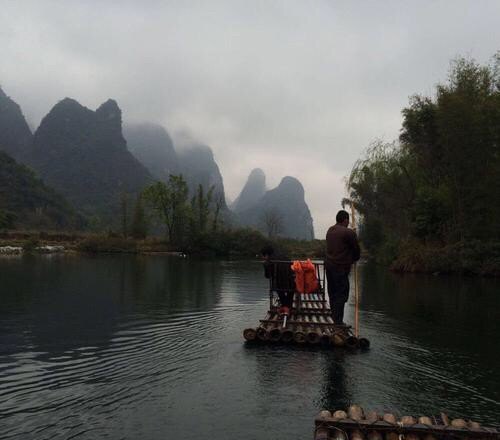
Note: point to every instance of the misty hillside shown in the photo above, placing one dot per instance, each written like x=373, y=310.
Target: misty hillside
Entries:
x=15, y=135
x=83, y=155
x=281, y=211
x=26, y=202
x=198, y=166
x=153, y=147
x=252, y=192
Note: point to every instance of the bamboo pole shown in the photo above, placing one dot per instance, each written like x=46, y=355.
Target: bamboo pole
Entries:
x=356, y=285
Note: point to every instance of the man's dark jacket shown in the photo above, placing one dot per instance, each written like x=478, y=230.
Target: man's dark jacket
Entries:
x=342, y=248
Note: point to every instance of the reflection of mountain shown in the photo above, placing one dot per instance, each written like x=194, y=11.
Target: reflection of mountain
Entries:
x=283, y=206
x=77, y=309
x=174, y=283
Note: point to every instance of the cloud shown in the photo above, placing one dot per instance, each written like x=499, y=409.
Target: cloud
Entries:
x=296, y=88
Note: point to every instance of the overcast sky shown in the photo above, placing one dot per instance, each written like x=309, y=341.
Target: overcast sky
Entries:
x=296, y=88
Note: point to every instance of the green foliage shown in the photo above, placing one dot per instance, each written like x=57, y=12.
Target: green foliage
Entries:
x=106, y=244
x=30, y=245
x=439, y=185
x=473, y=257
x=7, y=220
x=169, y=204
x=26, y=202
x=124, y=215
x=139, y=226
x=201, y=209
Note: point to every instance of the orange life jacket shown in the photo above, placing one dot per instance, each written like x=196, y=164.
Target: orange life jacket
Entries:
x=305, y=276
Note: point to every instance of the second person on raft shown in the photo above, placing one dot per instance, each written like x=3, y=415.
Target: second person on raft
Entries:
x=281, y=275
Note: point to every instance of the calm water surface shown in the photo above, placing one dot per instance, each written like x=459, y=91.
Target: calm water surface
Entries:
x=151, y=348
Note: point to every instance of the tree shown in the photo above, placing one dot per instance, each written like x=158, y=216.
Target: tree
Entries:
x=124, y=214
x=201, y=209
x=438, y=184
x=273, y=222
x=139, y=226
x=169, y=202
x=219, y=203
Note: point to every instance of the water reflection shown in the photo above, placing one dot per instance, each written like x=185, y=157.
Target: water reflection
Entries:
x=137, y=347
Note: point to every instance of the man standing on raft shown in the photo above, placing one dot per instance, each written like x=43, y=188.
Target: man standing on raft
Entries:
x=342, y=250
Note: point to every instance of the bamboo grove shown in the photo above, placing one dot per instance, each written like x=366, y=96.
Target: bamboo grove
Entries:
x=431, y=200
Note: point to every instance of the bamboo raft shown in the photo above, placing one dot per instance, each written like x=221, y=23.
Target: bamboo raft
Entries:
x=310, y=321
x=355, y=424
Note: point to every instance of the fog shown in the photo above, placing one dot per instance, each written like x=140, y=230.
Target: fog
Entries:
x=293, y=87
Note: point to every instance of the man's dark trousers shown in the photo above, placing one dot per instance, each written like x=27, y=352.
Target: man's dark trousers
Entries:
x=338, y=292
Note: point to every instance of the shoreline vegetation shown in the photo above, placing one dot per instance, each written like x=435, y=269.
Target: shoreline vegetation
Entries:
x=238, y=243
x=430, y=201
x=471, y=258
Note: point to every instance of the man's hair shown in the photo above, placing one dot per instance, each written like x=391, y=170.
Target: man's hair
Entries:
x=267, y=250
x=341, y=216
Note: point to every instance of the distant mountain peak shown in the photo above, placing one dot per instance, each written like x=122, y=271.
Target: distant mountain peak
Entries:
x=286, y=200
x=252, y=192
x=109, y=110
x=15, y=134
x=83, y=155
x=293, y=184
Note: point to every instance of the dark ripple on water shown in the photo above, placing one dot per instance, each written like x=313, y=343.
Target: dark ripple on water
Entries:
x=139, y=358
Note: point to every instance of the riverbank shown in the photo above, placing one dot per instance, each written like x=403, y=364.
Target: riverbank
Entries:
x=228, y=244
x=467, y=258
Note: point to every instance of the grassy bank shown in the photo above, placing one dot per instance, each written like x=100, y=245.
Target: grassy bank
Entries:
x=470, y=258
x=237, y=243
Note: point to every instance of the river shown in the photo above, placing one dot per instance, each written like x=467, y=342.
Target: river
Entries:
x=150, y=347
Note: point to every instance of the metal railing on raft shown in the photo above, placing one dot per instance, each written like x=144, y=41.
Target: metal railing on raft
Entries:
x=318, y=295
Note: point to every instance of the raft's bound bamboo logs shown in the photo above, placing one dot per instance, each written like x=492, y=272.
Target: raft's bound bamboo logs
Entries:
x=474, y=425
x=299, y=337
x=364, y=343
x=355, y=412
x=321, y=434
x=392, y=436
x=337, y=434
x=356, y=435
x=445, y=419
x=339, y=415
x=262, y=334
x=408, y=420
x=459, y=423
x=374, y=435
x=372, y=416
x=389, y=418
x=313, y=337
x=324, y=340
x=275, y=334
x=338, y=340
x=287, y=335
x=324, y=414
x=424, y=420
x=351, y=342
x=249, y=334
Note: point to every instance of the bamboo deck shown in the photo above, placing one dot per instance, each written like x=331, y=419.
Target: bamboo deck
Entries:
x=355, y=424
x=310, y=322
